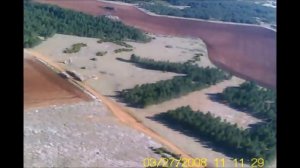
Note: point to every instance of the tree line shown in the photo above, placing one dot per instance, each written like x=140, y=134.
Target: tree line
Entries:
x=153, y=93
x=258, y=101
x=257, y=142
x=195, y=78
x=194, y=72
x=42, y=20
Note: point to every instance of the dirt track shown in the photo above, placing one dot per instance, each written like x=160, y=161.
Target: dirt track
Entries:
x=43, y=87
x=247, y=51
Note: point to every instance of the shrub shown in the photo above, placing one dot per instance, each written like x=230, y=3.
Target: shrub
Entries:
x=123, y=50
x=101, y=53
x=74, y=48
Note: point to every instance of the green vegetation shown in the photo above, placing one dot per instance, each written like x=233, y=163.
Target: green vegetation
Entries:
x=197, y=57
x=152, y=93
x=163, y=152
x=117, y=42
x=194, y=60
x=101, y=53
x=196, y=78
x=46, y=20
x=199, y=74
x=122, y=43
x=259, y=102
x=74, y=48
x=224, y=10
x=123, y=50
x=256, y=142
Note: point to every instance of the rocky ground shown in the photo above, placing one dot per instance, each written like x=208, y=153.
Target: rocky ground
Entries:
x=82, y=135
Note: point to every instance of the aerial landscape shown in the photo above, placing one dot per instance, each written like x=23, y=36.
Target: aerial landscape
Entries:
x=149, y=83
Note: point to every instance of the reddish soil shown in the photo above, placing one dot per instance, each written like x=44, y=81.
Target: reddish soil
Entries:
x=42, y=87
x=246, y=51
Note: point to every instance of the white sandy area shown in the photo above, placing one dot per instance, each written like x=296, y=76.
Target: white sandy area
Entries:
x=182, y=49
x=119, y=75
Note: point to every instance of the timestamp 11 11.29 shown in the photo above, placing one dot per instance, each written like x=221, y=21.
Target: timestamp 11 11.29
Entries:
x=240, y=163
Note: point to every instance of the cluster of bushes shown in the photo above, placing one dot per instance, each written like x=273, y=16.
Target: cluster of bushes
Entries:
x=196, y=78
x=163, y=152
x=258, y=142
x=123, y=50
x=198, y=55
x=259, y=102
x=196, y=58
x=74, y=48
x=118, y=42
x=46, y=20
x=101, y=53
x=122, y=43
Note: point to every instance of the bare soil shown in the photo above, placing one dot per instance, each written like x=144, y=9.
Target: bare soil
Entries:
x=42, y=87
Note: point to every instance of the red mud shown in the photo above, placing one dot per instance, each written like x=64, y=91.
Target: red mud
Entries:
x=246, y=51
x=42, y=87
